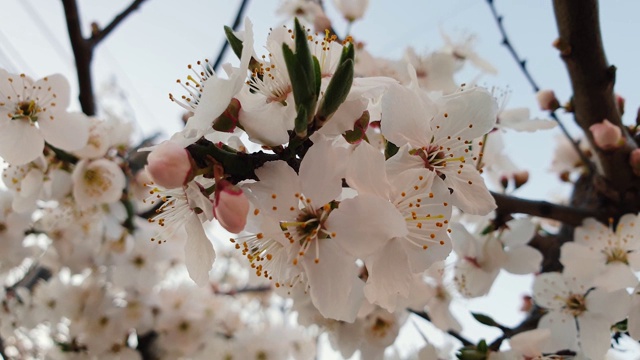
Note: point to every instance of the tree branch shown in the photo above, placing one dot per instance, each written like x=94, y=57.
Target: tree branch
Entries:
x=98, y=36
x=461, y=338
x=565, y=214
x=592, y=80
x=82, y=52
x=522, y=63
x=235, y=26
x=83, y=49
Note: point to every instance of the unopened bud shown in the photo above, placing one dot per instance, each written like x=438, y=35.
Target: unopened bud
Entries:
x=620, y=103
x=527, y=303
x=169, y=165
x=232, y=206
x=606, y=135
x=547, y=100
x=504, y=181
x=634, y=161
x=520, y=178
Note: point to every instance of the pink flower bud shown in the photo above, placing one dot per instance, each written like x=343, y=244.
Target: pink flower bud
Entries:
x=634, y=161
x=606, y=135
x=232, y=206
x=620, y=101
x=547, y=100
x=520, y=178
x=169, y=165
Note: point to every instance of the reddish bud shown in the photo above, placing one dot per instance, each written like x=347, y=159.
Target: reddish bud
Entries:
x=520, y=178
x=169, y=165
x=606, y=135
x=547, y=100
x=634, y=161
x=232, y=206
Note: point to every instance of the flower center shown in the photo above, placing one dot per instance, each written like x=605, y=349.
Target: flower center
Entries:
x=434, y=157
x=380, y=327
x=26, y=110
x=575, y=304
x=616, y=255
x=3, y=227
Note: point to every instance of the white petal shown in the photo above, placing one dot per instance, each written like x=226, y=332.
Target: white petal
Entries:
x=405, y=116
x=523, y=260
x=67, y=131
x=366, y=171
x=616, y=276
x=519, y=233
x=389, y=276
x=595, y=336
x=276, y=177
x=470, y=193
x=518, y=119
x=581, y=261
x=383, y=222
x=421, y=259
x=266, y=123
x=321, y=172
x=634, y=314
x=550, y=290
x=198, y=252
x=59, y=87
x=612, y=306
x=336, y=290
x=564, y=333
x=20, y=142
x=470, y=114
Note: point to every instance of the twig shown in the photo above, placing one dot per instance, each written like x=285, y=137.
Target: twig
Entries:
x=98, y=36
x=83, y=49
x=565, y=214
x=523, y=66
x=455, y=334
x=236, y=25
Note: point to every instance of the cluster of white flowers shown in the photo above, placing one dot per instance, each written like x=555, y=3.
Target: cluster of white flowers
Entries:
x=346, y=181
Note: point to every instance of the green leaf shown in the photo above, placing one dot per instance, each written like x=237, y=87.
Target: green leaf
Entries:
x=390, y=149
x=303, y=54
x=484, y=319
x=482, y=346
x=301, y=122
x=318, y=74
x=236, y=44
x=336, y=92
x=359, y=129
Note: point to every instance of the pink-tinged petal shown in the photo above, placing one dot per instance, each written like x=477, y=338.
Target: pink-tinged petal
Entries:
x=470, y=193
x=389, y=276
x=67, y=131
x=530, y=343
x=59, y=86
x=550, y=290
x=519, y=120
x=277, y=178
x=321, y=172
x=334, y=286
x=441, y=315
x=564, y=333
x=383, y=222
x=403, y=161
x=595, y=335
x=612, y=306
x=470, y=114
x=20, y=142
x=520, y=232
x=366, y=171
x=473, y=281
x=405, y=116
x=581, y=261
x=522, y=260
x=616, y=276
x=198, y=252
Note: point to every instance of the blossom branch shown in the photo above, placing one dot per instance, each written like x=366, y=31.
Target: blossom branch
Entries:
x=460, y=338
x=83, y=49
x=523, y=66
x=592, y=81
x=99, y=35
x=565, y=214
x=225, y=43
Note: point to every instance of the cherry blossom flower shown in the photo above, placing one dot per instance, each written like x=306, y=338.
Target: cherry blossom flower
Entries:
x=97, y=182
x=438, y=136
x=606, y=258
x=579, y=318
x=606, y=136
x=352, y=10
x=34, y=112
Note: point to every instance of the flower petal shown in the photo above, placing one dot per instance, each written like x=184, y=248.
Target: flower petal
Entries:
x=198, y=252
x=67, y=131
x=20, y=142
x=522, y=260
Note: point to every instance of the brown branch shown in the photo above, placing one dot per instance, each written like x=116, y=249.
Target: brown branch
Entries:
x=99, y=35
x=592, y=81
x=566, y=214
x=83, y=49
x=82, y=52
x=455, y=334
